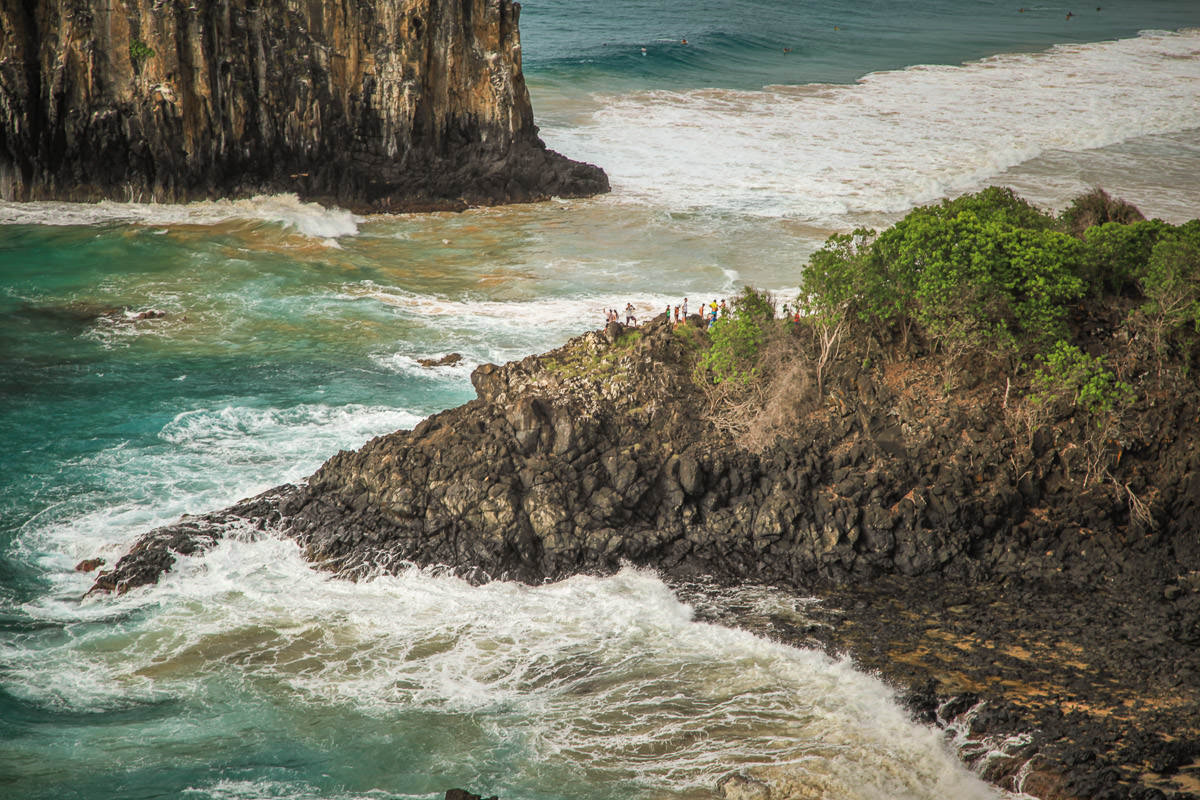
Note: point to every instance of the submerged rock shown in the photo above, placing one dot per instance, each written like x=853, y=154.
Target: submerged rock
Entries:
x=739, y=787
x=376, y=105
x=448, y=360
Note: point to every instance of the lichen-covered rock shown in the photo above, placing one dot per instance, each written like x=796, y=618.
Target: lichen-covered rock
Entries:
x=372, y=104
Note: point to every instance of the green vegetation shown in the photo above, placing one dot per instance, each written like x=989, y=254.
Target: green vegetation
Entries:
x=1083, y=380
x=1170, y=284
x=737, y=339
x=1070, y=313
x=1115, y=254
x=986, y=272
x=139, y=53
x=989, y=274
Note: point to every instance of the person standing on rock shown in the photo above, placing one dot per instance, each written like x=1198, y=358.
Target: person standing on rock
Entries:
x=685, y=308
x=630, y=319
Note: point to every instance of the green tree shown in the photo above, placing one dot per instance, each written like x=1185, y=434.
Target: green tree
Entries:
x=985, y=270
x=981, y=281
x=998, y=204
x=1171, y=285
x=1115, y=254
x=736, y=340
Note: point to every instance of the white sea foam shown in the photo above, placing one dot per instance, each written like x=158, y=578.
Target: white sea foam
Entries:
x=609, y=675
x=209, y=458
x=493, y=330
x=226, y=789
x=894, y=140
x=287, y=210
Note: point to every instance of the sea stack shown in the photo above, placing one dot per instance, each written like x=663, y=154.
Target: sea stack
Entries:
x=375, y=105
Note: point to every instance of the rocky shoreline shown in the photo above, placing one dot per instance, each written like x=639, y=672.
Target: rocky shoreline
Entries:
x=1051, y=628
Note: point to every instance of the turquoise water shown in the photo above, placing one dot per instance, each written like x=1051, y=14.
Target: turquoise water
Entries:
x=289, y=331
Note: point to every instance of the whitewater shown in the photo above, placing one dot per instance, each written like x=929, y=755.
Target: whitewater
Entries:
x=291, y=331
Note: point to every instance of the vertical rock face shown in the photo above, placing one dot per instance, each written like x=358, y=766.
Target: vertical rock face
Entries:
x=373, y=104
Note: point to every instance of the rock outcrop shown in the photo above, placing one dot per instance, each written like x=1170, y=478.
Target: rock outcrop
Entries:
x=376, y=105
x=955, y=553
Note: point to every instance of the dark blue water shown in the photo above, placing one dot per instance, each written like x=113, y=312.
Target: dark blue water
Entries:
x=576, y=46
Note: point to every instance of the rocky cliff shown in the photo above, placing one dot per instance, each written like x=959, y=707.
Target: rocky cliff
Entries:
x=966, y=560
x=372, y=104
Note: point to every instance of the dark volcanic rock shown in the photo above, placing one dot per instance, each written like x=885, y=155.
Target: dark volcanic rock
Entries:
x=965, y=560
x=448, y=360
x=155, y=552
x=1055, y=692
x=377, y=105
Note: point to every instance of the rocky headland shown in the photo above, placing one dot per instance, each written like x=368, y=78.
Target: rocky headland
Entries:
x=374, y=105
x=1023, y=567
x=955, y=560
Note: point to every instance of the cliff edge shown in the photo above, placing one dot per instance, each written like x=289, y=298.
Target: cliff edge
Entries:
x=977, y=452
x=375, y=105
x=1051, y=630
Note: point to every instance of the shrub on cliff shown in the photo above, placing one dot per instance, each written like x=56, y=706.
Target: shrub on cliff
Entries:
x=756, y=379
x=1083, y=381
x=139, y=54
x=1096, y=208
x=1071, y=379
x=736, y=339
x=986, y=271
x=1171, y=286
x=1116, y=254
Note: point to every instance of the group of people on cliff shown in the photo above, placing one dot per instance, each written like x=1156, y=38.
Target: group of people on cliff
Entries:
x=709, y=313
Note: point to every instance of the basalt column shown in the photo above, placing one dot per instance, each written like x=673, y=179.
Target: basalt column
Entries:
x=373, y=104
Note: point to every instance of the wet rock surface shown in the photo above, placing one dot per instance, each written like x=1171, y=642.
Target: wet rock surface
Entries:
x=375, y=105
x=463, y=794
x=1043, y=689
x=1049, y=627
x=156, y=552
x=448, y=360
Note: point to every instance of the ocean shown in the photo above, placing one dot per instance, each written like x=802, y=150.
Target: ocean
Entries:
x=289, y=331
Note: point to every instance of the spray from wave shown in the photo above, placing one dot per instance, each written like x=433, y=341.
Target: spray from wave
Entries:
x=605, y=680
x=287, y=210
